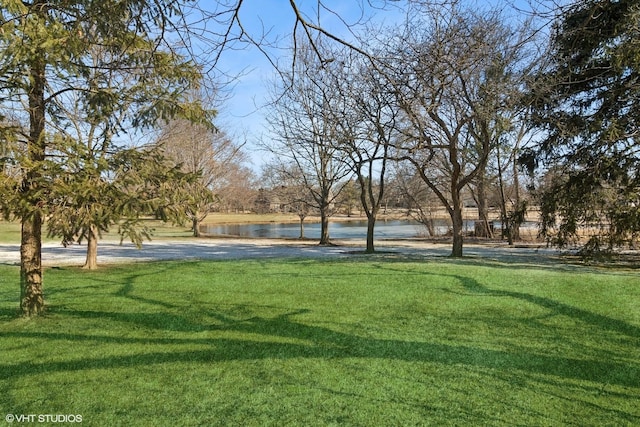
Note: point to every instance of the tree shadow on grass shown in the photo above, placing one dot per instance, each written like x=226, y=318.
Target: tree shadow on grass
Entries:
x=9, y=313
x=214, y=334
x=308, y=342
x=473, y=287
x=557, y=308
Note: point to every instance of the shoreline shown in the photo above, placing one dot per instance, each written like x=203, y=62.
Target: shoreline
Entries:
x=216, y=218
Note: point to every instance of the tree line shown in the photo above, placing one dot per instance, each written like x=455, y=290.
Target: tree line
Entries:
x=468, y=99
x=106, y=117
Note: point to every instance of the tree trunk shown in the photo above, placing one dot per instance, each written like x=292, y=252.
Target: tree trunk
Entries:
x=91, y=262
x=482, y=228
x=324, y=227
x=301, y=226
x=430, y=224
x=508, y=227
x=31, y=294
x=458, y=225
x=195, y=225
x=515, y=230
x=371, y=223
x=504, y=215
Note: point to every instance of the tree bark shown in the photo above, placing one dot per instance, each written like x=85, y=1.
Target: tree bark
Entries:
x=515, y=228
x=195, y=224
x=324, y=227
x=31, y=294
x=482, y=227
x=504, y=214
x=371, y=223
x=458, y=236
x=457, y=223
x=91, y=262
x=302, y=217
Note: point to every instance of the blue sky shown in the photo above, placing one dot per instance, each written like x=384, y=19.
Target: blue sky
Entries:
x=241, y=114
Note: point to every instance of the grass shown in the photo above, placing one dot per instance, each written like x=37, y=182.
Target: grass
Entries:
x=366, y=341
x=10, y=232
x=242, y=218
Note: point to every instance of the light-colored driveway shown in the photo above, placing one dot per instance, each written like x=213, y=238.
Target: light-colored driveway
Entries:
x=191, y=249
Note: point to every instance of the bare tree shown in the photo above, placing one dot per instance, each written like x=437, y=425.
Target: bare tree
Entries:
x=512, y=198
x=416, y=197
x=224, y=22
x=207, y=152
x=306, y=134
x=237, y=192
x=367, y=126
x=449, y=87
x=288, y=187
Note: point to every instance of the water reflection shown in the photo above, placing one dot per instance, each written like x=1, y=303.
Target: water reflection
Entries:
x=394, y=229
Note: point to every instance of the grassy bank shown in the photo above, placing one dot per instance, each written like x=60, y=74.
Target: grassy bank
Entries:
x=369, y=341
x=249, y=218
x=10, y=230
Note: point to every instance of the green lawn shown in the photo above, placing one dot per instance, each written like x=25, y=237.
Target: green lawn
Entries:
x=372, y=341
x=10, y=231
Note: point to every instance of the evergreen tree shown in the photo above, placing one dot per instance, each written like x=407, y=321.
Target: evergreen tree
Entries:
x=588, y=102
x=57, y=55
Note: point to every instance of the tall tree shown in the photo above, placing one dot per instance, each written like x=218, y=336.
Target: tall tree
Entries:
x=367, y=124
x=587, y=102
x=306, y=133
x=413, y=194
x=237, y=190
x=512, y=197
x=97, y=193
x=444, y=78
x=46, y=60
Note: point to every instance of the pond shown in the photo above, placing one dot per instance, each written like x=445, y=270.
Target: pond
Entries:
x=391, y=229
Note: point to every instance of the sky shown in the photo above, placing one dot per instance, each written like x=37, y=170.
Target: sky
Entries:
x=241, y=114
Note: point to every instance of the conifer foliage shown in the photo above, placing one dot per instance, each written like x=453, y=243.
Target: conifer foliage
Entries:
x=73, y=75
x=588, y=101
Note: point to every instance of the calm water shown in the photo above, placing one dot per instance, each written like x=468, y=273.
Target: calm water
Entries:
x=396, y=229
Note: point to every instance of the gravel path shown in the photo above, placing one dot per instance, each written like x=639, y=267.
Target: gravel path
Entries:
x=185, y=249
